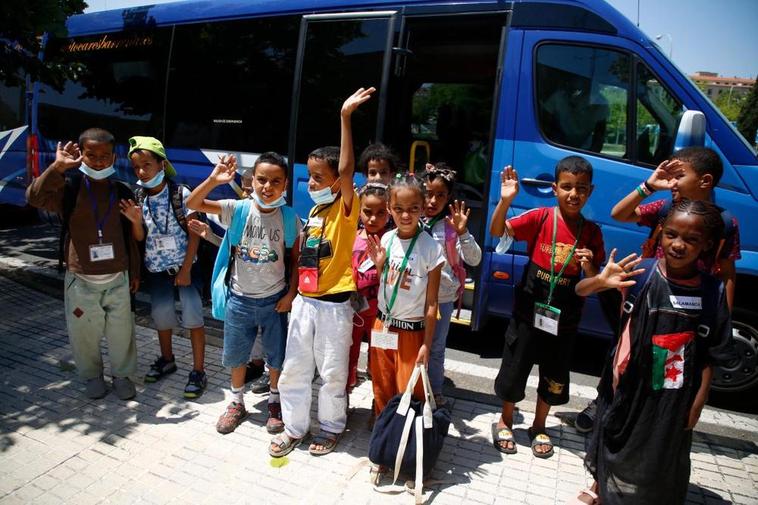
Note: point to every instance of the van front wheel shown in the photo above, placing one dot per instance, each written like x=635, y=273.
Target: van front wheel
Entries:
x=742, y=374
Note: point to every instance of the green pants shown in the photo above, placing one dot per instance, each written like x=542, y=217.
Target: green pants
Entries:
x=97, y=310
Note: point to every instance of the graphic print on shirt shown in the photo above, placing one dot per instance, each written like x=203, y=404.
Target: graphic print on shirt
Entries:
x=394, y=272
x=668, y=359
x=259, y=243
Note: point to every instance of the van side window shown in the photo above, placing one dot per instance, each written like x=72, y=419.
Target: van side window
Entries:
x=658, y=116
x=582, y=97
x=230, y=84
x=11, y=105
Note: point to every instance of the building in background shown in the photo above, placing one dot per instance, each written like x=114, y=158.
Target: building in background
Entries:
x=714, y=85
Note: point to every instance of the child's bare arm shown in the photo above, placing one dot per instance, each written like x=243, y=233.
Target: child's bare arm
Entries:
x=223, y=173
x=663, y=178
x=347, y=156
x=613, y=275
x=728, y=275
x=508, y=191
x=700, y=398
x=430, y=317
x=285, y=303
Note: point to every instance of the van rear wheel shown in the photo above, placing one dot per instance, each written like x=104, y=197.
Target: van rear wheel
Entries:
x=742, y=374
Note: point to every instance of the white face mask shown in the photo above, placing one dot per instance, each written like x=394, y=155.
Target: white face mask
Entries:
x=279, y=202
x=154, y=182
x=323, y=196
x=97, y=175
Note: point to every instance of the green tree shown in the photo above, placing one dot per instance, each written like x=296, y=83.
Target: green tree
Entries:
x=747, y=121
x=22, y=24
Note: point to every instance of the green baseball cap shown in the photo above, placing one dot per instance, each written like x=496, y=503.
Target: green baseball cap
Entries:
x=153, y=145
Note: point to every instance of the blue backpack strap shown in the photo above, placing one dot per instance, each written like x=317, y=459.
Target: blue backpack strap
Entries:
x=219, y=279
x=290, y=226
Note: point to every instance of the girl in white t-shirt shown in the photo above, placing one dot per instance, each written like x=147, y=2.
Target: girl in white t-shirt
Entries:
x=410, y=264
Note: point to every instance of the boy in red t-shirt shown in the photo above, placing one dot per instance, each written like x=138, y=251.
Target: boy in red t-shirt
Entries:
x=561, y=245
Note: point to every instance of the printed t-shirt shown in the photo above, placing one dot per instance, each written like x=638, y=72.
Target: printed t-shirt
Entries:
x=333, y=231
x=730, y=250
x=364, y=272
x=160, y=221
x=536, y=228
x=410, y=302
x=258, y=270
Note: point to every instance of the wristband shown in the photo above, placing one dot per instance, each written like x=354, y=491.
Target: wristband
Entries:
x=641, y=192
x=650, y=188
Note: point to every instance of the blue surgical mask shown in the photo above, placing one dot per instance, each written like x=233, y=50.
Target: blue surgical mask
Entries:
x=154, y=182
x=97, y=175
x=323, y=196
x=279, y=202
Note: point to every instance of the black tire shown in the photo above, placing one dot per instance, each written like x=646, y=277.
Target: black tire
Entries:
x=743, y=374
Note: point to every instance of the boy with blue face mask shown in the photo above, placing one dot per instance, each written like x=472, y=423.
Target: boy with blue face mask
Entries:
x=260, y=230
x=321, y=326
x=160, y=219
x=101, y=257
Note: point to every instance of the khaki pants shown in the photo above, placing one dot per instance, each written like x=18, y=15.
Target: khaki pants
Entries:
x=97, y=310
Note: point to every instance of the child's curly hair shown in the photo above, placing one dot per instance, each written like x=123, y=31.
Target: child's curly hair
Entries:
x=713, y=224
x=408, y=180
x=375, y=189
x=441, y=171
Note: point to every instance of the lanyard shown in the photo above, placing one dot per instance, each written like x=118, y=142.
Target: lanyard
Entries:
x=555, y=278
x=429, y=225
x=152, y=216
x=100, y=222
x=391, y=303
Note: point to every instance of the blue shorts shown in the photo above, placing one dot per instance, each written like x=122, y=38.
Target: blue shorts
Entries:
x=241, y=321
x=161, y=288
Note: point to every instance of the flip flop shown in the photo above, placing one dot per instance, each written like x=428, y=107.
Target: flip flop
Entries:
x=577, y=500
x=504, y=434
x=285, y=443
x=540, y=439
x=328, y=441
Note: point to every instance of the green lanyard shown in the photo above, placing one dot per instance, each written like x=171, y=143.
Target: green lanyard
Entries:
x=391, y=303
x=555, y=278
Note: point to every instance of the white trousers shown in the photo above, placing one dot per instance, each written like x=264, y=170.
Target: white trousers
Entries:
x=319, y=337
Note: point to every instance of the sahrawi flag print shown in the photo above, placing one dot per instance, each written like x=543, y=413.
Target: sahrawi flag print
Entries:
x=668, y=359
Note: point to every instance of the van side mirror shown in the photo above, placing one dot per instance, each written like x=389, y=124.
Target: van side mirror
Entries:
x=691, y=131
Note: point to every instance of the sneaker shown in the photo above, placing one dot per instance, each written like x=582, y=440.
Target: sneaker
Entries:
x=274, y=423
x=96, y=388
x=262, y=384
x=196, y=384
x=585, y=419
x=159, y=369
x=124, y=388
x=233, y=417
x=253, y=371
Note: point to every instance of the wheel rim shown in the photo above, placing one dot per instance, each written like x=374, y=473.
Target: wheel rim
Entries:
x=743, y=373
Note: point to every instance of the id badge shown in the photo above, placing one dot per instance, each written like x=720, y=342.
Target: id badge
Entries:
x=165, y=243
x=101, y=252
x=315, y=222
x=546, y=318
x=307, y=279
x=365, y=266
x=384, y=339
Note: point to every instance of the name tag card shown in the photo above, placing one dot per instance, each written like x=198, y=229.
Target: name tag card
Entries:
x=686, y=302
x=365, y=266
x=165, y=244
x=384, y=339
x=316, y=221
x=101, y=252
x=546, y=318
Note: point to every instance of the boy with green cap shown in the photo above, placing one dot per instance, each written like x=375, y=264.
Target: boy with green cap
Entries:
x=160, y=215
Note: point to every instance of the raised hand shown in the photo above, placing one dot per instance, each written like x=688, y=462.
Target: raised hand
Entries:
x=508, y=183
x=665, y=175
x=618, y=275
x=376, y=252
x=131, y=211
x=199, y=228
x=458, y=217
x=67, y=157
x=355, y=100
x=223, y=172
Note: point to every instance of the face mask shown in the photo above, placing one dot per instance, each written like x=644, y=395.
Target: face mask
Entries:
x=154, y=182
x=273, y=205
x=97, y=175
x=323, y=196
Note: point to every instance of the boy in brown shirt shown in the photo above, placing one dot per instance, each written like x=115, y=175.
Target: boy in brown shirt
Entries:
x=102, y=259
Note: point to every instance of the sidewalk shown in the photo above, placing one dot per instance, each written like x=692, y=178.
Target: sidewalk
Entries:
x=58, y=447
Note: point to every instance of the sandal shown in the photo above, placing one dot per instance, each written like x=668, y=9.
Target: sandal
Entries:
x=504, y=434
x=540, y=439
x=577, y=500
x=284, y=443
x=376, y=472
x=327, y=441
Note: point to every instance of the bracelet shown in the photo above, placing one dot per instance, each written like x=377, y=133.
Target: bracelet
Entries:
x=650, y=188
x=641, y=192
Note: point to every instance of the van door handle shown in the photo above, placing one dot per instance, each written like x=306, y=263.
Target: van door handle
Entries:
x=536, y=182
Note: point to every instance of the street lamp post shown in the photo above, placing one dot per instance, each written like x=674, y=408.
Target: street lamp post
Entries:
x=671, y=41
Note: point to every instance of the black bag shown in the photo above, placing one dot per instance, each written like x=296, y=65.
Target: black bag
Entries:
x=407, y=429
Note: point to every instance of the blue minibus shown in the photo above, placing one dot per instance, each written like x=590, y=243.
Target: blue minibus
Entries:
x=479, y=84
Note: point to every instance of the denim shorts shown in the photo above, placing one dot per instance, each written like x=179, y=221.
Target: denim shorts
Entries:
x=160, y=286
x=244, y=315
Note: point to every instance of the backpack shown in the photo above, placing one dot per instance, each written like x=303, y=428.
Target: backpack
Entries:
x=71, y=186
x=223, y=264
x=176, y=197
x=456, y=263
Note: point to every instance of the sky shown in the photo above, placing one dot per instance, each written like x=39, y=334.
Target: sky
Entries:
x=715, y=36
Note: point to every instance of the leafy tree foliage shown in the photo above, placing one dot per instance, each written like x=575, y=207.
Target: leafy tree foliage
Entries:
x=747, y=122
